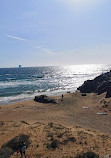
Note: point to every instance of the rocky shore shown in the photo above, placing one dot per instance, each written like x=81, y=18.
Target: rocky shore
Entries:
x=99, y=85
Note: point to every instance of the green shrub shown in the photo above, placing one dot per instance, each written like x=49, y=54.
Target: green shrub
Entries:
x=87, y=155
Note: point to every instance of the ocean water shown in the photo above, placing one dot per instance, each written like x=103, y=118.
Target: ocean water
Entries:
x=18, y=84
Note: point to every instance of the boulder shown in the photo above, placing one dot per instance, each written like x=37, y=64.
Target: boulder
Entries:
x=44, y=99
x=83, y=94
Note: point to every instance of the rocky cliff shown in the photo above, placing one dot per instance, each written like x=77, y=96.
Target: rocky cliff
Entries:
x=99, y=85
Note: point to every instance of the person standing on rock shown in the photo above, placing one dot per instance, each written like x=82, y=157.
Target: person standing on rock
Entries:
x=22, y=148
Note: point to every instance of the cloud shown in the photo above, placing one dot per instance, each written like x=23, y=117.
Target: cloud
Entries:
x=38, y=47
x=46, y=50
x=24, y=39
x=60, y=53
x=16, y=37
x=49, y=51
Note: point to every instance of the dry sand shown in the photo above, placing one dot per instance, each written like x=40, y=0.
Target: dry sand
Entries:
x=75, y=129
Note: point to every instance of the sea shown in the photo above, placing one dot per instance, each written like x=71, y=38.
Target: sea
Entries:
x=23, y=83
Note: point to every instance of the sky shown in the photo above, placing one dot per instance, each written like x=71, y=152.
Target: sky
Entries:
x=54, y=32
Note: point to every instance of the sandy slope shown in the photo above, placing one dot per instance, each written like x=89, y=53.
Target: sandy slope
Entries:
x=92, y=130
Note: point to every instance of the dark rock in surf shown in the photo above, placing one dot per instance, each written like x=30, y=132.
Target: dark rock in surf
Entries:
x=44, y=99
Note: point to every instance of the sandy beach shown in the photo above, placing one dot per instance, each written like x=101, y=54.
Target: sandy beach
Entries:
x=76, y=117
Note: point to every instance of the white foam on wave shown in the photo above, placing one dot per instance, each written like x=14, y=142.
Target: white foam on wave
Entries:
x=30, y=95
x=7, y=84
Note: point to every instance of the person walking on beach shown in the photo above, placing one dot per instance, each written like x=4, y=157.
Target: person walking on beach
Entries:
x=62, y=97
x=22, y=149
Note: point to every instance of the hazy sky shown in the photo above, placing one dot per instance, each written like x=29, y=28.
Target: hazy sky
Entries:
x=54, y=32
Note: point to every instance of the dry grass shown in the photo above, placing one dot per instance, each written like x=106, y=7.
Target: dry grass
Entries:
x=55, y=141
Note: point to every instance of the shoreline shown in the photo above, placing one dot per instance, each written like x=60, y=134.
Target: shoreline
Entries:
x=54, y=93
x=52, y=82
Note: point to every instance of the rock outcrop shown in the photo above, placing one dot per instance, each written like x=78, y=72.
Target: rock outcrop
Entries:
x=99, y=85
x=44, y=99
